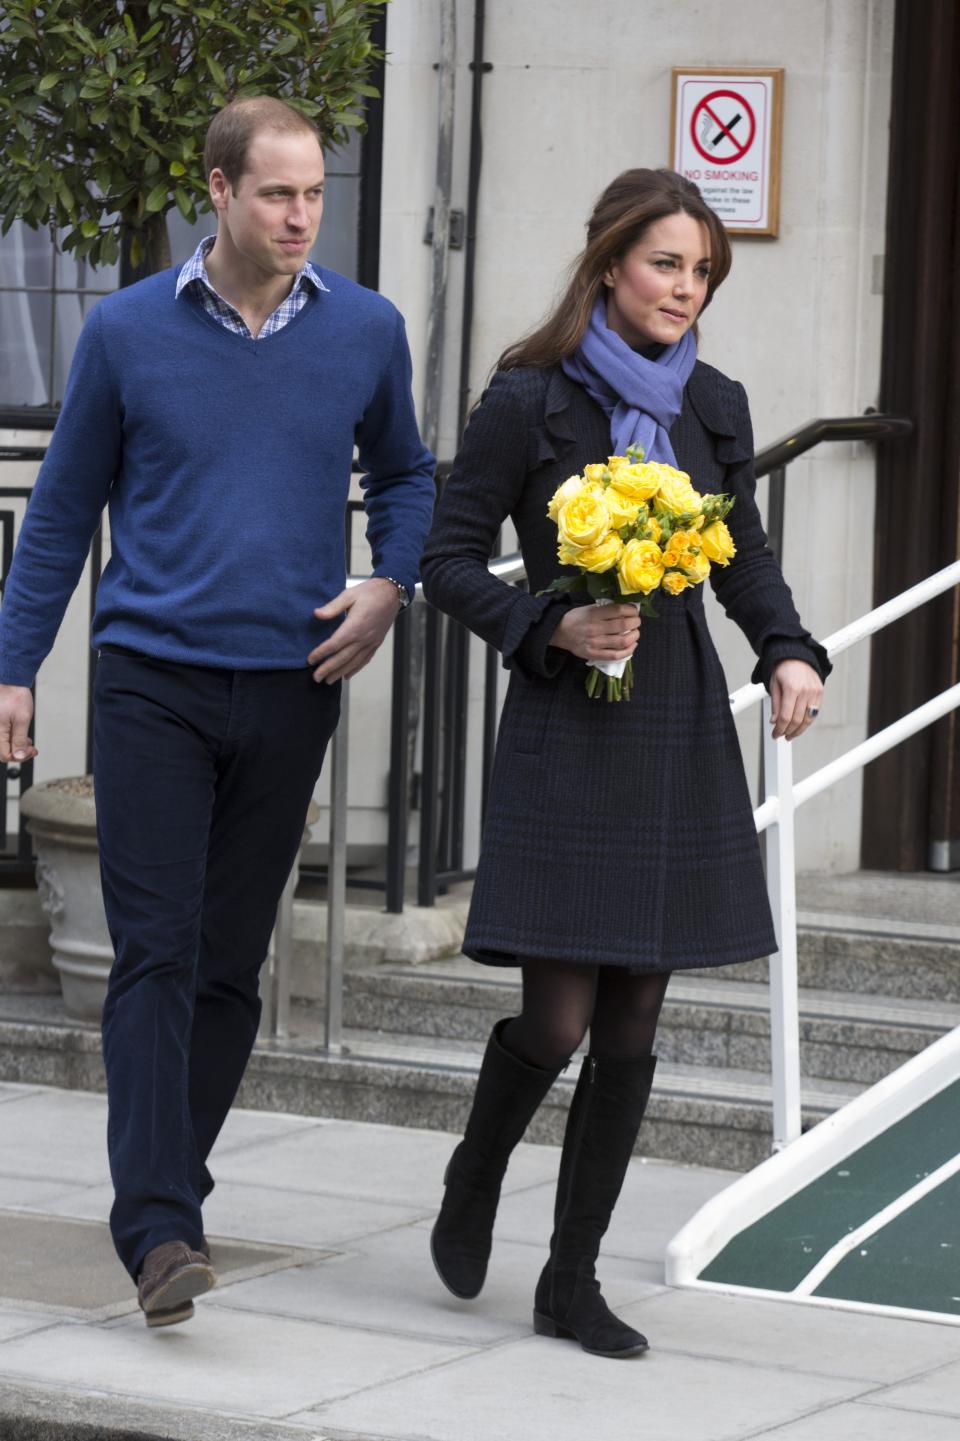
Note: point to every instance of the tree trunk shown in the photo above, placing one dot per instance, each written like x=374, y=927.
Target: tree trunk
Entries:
x=155, y=241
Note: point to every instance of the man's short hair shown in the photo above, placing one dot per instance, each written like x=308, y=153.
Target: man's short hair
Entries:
x=233, y=128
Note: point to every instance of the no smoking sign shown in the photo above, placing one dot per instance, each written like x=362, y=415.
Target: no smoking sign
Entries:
x=726, y=138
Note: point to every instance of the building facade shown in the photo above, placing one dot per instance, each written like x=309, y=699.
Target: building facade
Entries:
x=571, y=95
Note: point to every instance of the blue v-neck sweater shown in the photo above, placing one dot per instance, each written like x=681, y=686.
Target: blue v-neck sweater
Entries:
x=225, y=463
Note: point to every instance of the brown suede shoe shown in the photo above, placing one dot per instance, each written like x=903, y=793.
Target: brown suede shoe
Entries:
x=170, y=1277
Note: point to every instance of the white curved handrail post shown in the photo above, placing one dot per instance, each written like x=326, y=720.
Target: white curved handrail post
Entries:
x=784, y=983
x=776, y=813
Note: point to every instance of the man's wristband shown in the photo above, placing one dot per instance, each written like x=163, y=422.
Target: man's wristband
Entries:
x=402, y=593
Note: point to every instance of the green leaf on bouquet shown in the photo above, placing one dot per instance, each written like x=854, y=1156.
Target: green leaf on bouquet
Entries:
x=566, y=583
x=604, y=586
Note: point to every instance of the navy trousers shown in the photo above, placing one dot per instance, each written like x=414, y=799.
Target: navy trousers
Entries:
x=203, y=778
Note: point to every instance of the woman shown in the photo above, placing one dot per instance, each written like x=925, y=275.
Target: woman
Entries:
x=619, y=844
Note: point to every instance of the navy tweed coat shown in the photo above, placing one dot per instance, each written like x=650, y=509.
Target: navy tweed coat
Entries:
x=616, y=834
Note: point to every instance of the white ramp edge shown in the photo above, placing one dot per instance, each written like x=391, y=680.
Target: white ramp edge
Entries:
x=816, y=1152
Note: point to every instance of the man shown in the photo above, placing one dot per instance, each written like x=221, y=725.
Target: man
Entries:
x=214, y=409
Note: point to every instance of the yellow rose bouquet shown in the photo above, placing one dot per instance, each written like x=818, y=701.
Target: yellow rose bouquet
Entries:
x=632, y=527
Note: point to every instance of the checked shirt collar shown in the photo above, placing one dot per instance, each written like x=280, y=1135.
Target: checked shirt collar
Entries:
x=194, y=274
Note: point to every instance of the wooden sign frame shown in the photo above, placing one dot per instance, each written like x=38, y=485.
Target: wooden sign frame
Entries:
x=722, y=185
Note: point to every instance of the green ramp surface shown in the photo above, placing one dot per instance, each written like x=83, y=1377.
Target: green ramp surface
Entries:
x=778, y=1250
x=914, y=1261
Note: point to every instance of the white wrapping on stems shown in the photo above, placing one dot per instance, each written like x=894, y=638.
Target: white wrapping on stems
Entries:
x=614, y=668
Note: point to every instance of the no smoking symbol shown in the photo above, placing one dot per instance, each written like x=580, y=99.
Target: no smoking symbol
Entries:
x=723, y=127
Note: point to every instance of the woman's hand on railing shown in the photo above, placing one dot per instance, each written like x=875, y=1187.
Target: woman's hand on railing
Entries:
x=599, y=632
x=795, y=695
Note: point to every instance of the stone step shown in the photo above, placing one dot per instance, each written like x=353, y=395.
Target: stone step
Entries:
x=707, y=1020
x=871, y=956
x=716, y=1116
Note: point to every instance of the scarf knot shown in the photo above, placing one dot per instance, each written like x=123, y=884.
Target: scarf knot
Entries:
x=641, y=397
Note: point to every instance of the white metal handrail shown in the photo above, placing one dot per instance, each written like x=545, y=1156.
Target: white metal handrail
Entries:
x=782, y=797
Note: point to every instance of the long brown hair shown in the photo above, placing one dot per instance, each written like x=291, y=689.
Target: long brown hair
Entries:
x=631, y=203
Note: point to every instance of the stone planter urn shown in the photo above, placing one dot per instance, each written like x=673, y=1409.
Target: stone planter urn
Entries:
x=61, y=818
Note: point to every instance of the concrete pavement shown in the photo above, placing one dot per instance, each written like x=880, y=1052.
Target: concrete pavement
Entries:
x=330, y=1323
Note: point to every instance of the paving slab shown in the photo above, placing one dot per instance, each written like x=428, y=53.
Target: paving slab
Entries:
x=55, y=1135
x=395, y=1269
x=818, y=1340
x=854, y=1421
x=18, y=1323
x=251, y=1128
x=552, y=1389
x=266, y=1213
x=226, y=1361
x=369, y=1161
x=939, y=1391
x=30, y=1193
x=303, y=1220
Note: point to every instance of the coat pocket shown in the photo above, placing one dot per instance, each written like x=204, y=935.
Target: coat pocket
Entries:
x=527, y=713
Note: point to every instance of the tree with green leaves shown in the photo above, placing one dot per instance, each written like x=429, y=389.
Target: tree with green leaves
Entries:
x=104, y=104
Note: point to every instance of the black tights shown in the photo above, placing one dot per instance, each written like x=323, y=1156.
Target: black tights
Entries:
x=561, y=1000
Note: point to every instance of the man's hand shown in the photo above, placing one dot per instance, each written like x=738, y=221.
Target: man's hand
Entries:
x=16, y=713
x=369, y=610
x=795, y=695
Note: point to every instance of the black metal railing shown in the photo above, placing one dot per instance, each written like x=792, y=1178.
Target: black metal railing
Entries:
x=774, y=459
x=429, y=685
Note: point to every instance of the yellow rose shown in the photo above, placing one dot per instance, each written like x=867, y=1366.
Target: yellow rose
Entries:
x=697, y=567
x=594, y=473
x=583, y=520
x=639, y=481
x=621, y=509
x=683, y=551
x=677, y=547
x=569, y=554
x=570, y=488
x=653, y=530
x=676, y=495
x=674, y=582
x=718, y=543
x=640, y=568
x=598, y=558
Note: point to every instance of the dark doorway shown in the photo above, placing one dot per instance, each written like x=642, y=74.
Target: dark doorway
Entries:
x=911, y=811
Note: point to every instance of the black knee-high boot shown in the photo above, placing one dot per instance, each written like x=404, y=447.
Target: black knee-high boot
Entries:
x=605, y=1116
x=507, y=1095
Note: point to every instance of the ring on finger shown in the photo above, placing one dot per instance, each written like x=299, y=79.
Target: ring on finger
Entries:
x=812, y=712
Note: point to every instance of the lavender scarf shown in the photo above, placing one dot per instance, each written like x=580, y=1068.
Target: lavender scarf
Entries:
x=641, y=397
